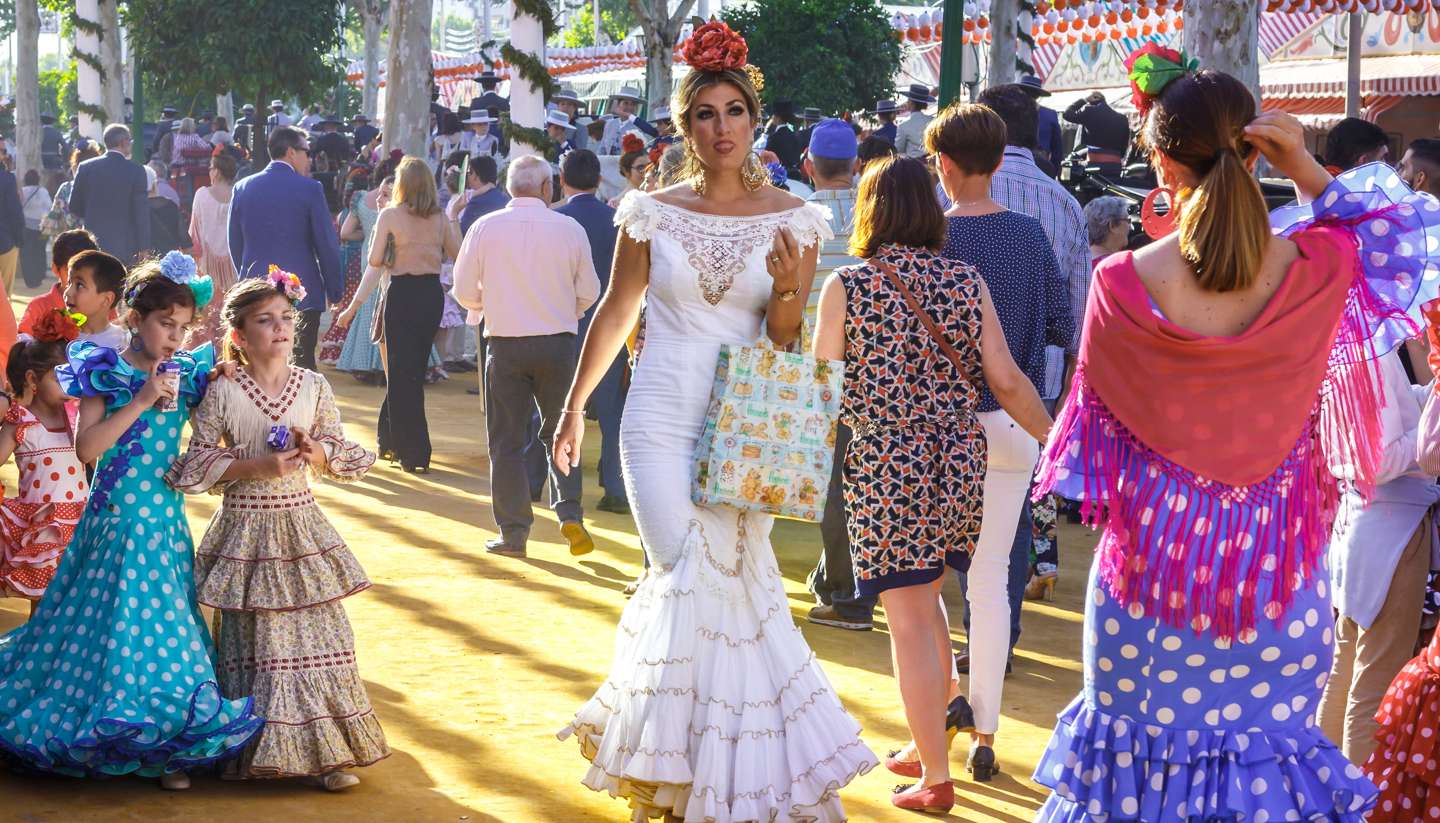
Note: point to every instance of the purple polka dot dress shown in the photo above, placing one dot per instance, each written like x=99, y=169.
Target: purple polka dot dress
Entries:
x=1182, y=718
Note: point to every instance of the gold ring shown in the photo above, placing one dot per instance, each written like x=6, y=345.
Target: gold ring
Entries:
x=774, y=259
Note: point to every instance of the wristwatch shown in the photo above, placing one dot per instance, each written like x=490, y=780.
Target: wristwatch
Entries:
x=787, y=296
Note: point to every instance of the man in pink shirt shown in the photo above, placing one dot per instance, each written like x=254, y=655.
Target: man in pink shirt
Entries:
x=529, y=271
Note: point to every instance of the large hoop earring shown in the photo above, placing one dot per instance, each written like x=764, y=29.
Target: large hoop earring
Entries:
x=1157, y=225
x=753, y=174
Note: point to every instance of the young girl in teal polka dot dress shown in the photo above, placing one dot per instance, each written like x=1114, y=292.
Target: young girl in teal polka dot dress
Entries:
x=113, y=673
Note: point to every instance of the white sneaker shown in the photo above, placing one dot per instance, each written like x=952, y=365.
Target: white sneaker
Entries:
x=175, y=781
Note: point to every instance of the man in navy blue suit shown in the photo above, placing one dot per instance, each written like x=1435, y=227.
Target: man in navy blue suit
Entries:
x=280, y=217
x=579, y=178
x=109, y=196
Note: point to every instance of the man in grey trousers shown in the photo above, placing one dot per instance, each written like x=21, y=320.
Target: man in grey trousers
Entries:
x=529, y=270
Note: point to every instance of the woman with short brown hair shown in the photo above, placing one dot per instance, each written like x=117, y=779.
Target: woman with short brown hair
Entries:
x=917, y=333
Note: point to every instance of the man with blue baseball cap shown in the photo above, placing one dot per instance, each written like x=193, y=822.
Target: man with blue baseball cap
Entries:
x=831, y=165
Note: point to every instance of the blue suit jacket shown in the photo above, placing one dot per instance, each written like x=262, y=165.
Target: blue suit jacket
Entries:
x=1048, y=135
x=598, y=221
x=279, y=216
x=109, y=196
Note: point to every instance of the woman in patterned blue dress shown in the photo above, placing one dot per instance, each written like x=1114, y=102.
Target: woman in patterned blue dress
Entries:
x=113, y=674
x=1222, y=369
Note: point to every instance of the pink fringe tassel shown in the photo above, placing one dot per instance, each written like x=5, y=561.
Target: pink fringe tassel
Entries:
x=1223, y=551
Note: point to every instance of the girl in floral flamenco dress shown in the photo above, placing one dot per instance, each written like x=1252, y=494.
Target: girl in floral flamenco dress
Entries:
x=39, y=430
x=270, y=561
x=112, y=674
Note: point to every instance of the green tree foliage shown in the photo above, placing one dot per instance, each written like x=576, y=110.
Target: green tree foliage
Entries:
x=615, y=23
x=258, y=49
x=836, y=55
x=59, y=93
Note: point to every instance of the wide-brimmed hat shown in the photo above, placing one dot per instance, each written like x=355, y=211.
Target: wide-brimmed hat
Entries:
x=478, y=117
x=660, y=113
x=783, y=108
x=812, y=115
x=248, y=107
x=918, y=93
x=629, y=93
x=566, y=92
x=47, y=119
x=487, y=77
x=330, y=118
x=1031, y=84
x=885, y=107
x=277, y=104
x=360, y=118
x=167, y=111
x=555, y=117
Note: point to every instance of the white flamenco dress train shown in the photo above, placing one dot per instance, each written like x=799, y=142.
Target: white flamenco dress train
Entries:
x=715, y=709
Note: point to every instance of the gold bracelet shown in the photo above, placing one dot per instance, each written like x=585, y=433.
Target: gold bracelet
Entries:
x=572, y=411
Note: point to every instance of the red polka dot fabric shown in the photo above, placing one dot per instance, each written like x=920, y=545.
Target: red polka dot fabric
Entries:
x=1406, y=766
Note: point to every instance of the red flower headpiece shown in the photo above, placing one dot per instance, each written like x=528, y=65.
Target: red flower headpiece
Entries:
x=1150, y=69
x=715, y=47
x=58, y=324
x=631, y=142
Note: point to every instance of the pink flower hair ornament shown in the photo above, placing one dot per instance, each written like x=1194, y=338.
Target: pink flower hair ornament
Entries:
x=286, y=283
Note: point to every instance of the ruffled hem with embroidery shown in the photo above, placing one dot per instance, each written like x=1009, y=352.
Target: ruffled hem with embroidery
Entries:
x=301, y=668
x=274, y=561
x=715, y=709
x=1108, y=768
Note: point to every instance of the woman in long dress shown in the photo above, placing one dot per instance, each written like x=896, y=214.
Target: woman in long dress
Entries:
x=210, y=238
x=715, y=708
x=1222, y=369
x=360, y=355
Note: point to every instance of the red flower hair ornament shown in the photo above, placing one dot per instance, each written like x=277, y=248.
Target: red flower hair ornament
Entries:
x=631, y=142
x=1151, y=68
x=715, y=46
x=58, y=325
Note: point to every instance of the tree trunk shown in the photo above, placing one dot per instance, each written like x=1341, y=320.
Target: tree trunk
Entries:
x=27, y=87
x=112, y=89
x=1225, y=35
x=662, y=30
x=259, y=151
x=372, y=21
x=88, y=79
x=1003, y=14
x=407, y=77
x=527, y=103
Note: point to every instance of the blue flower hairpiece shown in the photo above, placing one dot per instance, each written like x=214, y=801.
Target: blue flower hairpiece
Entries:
x=179, y=267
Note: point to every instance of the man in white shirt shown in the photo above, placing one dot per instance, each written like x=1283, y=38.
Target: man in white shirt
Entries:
x=278, y=117
x=529, y=271
x=910, y=134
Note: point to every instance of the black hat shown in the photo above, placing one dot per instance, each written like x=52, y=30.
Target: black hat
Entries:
x=487, y=78
x=918, y=93
x=168, y=111
x=47, y=118
x=886, y=107
x=812, y=115
x=783, y=108
x=1031, y=84
x=360, y=118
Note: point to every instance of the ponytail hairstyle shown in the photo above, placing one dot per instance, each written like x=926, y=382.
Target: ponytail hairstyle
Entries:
x=1198, y=121
x=31, y=356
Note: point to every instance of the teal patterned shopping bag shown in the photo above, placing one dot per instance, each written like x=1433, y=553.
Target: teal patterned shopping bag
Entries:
x=769, y=439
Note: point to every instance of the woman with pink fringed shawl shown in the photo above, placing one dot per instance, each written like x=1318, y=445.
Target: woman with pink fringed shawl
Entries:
x=1220, y=368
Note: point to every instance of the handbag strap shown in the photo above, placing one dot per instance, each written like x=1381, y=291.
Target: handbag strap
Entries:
x=929, y=323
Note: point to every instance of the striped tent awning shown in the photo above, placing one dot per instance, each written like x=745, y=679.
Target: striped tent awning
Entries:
x=1384, y=75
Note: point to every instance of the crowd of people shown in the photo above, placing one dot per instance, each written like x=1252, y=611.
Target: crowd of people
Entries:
x=1242, y=404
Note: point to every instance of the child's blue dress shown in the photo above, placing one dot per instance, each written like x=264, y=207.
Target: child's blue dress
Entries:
x=113, y=673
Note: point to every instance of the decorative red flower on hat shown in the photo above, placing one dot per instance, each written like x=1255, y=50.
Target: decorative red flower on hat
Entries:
x=631, y=142
x=715, y=47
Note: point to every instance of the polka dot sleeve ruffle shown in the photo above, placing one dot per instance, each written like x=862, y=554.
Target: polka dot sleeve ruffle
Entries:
x=1396, y=233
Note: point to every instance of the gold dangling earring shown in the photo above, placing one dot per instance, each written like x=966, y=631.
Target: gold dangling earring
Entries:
x=754, y=175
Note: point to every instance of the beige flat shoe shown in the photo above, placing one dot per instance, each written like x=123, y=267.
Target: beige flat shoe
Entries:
x=334, y=781
x=175, y=781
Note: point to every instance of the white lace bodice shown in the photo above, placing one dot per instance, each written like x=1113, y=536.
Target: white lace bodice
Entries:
x=707, y=272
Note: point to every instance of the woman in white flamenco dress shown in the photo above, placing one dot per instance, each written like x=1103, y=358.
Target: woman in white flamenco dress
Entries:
x=715, y=708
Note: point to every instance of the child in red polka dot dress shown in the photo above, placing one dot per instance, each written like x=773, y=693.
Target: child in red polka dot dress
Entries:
x=39, y=430
x=1406, y=766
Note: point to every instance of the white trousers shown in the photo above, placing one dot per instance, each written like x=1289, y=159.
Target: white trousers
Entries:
x=1011, y=464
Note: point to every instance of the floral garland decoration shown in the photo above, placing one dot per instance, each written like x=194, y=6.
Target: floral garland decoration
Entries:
x=287, y=283
x=91, y=60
